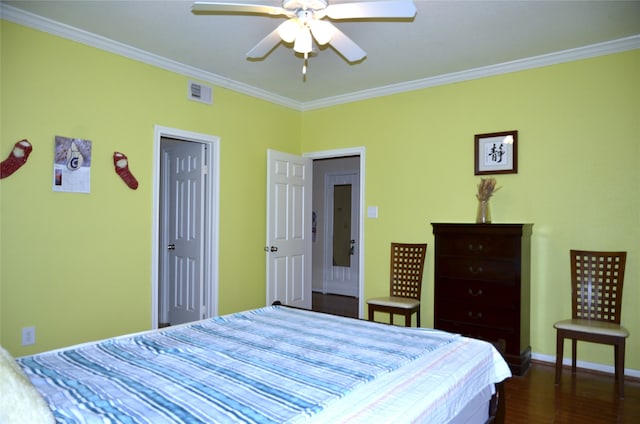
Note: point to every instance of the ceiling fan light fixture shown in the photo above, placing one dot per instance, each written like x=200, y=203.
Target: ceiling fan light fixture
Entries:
x=322, y=31
x=289, y=30
x=305, y=22
x=303, y=43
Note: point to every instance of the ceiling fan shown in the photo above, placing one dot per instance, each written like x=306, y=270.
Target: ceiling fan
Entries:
x=306, y=23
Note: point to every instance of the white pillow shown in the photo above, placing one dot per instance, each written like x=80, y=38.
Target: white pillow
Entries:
x=20, y=402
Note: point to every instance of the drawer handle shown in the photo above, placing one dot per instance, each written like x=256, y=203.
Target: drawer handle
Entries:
x=475, y=294
x=475, y=248
x=477, y=270
x=474, y=316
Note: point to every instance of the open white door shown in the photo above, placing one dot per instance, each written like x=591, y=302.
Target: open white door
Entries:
x=288, y=229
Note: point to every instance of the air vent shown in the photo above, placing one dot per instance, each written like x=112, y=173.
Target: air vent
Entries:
x=200, y=92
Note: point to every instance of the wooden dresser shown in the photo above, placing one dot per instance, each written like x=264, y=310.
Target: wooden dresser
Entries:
x=482, y=285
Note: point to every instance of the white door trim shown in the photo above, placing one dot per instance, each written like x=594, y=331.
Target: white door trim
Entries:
x=212, y=219
x=352, y=151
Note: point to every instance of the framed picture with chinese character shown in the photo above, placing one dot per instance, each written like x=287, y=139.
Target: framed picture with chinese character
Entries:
x=496, y=153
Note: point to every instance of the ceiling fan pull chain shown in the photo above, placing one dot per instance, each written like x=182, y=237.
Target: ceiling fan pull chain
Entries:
x=304, y=66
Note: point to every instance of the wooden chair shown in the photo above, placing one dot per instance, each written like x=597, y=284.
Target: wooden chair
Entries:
x=596, y=281
x=407, y=265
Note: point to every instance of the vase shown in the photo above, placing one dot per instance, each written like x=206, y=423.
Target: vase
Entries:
x=483, y=215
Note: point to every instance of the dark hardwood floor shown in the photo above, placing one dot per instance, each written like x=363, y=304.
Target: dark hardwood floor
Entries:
x=335, y=304
x=588, y=397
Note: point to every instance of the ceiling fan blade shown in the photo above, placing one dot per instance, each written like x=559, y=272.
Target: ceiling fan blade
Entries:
x=221, y=7
x=265, y=45
x=346, y=47
x=378, y=9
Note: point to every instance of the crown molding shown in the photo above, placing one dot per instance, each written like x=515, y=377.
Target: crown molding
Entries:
x=586, y=52
x=56, y=28
x=50, y=26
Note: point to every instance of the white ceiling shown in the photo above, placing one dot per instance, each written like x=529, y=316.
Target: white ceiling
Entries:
x=445, y=38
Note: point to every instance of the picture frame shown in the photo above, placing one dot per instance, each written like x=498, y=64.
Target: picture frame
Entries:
x=496, y=153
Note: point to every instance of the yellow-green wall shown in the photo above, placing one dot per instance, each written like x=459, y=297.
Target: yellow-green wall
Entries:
x=78, y=266
x=578, y=177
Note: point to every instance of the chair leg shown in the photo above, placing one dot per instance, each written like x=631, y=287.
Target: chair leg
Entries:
x=616, y=367
x=559, y=355
x=391, y=318
x=370, y=313
x=418, y=318
x=574, y=354
x=407, y=319
x=619, y=366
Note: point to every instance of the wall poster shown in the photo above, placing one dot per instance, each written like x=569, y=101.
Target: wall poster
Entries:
x=72, y=165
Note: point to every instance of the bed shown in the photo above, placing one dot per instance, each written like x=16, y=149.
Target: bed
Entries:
x=271, y=365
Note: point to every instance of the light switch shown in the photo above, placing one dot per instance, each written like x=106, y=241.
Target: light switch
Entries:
x=372, y=211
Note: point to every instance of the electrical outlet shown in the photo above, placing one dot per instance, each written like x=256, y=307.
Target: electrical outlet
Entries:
x=28, y=336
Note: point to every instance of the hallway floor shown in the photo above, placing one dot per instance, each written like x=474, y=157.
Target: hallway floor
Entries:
x=335, y=304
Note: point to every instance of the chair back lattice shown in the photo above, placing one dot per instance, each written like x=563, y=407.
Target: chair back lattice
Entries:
x=597, y=279
x=407, y=265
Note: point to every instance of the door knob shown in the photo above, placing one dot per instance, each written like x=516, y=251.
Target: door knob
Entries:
x=171, y=246
x=274, y=249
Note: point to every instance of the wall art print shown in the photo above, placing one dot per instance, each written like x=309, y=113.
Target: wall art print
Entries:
x=72, y=165
x=496, y=153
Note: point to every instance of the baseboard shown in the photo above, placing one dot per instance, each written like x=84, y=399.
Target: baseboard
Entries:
x=336, y=289
x=609, y=369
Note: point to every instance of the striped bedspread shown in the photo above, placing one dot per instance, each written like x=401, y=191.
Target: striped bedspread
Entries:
x=269, y=365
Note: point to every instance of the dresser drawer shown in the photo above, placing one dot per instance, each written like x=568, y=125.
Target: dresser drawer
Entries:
x=478, y=269
x=478, y=314
x=480, y=245
x=479, y=292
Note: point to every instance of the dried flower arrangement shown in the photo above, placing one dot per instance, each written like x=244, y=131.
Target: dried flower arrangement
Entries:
x=486, y=188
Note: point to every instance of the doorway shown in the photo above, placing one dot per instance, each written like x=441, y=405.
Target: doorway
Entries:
x=185, y=229
x=337, y=256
